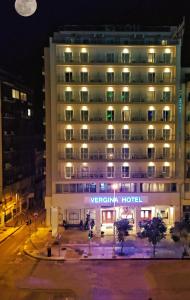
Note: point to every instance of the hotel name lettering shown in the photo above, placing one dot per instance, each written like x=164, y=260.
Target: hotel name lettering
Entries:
x=117, y=200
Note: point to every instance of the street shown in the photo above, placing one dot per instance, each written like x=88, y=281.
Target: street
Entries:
x=24, y=278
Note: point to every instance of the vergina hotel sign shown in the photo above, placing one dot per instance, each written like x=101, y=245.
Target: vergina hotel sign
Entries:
x=118, y=200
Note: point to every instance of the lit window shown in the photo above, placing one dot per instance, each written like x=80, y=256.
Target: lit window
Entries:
x=15, y=94
x=110, y=96
x=125, y=96
x=29, y=112
x=23, y=96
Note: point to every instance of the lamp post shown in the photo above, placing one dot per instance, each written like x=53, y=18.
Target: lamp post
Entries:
x=114, y=187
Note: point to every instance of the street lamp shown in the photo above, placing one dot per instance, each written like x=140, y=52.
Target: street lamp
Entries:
x=114, y=187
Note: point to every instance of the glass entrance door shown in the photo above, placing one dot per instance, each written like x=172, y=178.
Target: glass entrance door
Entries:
x=108, y=216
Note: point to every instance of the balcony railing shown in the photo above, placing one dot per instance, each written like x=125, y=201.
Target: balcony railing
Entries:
x=117, y=100
x=116, y=60
x=103, y=80
x=116, y=138
x=130, y=176
x=114, y=156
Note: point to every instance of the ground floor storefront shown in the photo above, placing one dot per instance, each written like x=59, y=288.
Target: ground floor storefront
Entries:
x=107, y=209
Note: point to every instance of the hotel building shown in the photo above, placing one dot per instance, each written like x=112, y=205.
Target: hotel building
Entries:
x=114, y=141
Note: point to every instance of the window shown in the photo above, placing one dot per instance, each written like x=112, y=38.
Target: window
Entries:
x=84, y=115
x=68, y=96
x=166, y=95
x=84, y=76
x=125, y=77
x=84, y=172
x=84, y=96
x=128, y=187
x=110, y=57
x=151, y=171
x=110, y=153
x=15, y=94
x=110, y=171
x=151, y=115
x=125, y=134
x=110, y=134
x=125, y=58
x=151, y=77
x=125, y=96
x=151, y=152
x=166, y=152
x=151, y=134
x=146, y=214
x=59, y=188
x=84, y=134
x=29, y=112
x=83, y=57
x=110, y=77
x=68, y=76
x=151, y=57
x=126, y=115
x=84, y=153
x=151, y=95
x=166, y=115
x=110, y=115
x=23, y=96
x=167, y=76
x=68, y=56
x=69, y=134
x=167, y=58
x=68, y=115
x=110, y=96
x=125, y=171
x=166, y=171
x=69, y=153
x=166, y=134
x=125, y=153
x=68, y=172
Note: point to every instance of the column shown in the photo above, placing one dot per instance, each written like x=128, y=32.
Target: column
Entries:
x=2, y=219
x=171, y=215
x=137, y=218
x=54, y=220
x=98, y=222
x=48, y=210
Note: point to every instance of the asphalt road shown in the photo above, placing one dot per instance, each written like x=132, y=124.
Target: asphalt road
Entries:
x=25, y=278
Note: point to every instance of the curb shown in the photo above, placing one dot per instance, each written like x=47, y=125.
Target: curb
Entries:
x=39, y=257
x=10, y=234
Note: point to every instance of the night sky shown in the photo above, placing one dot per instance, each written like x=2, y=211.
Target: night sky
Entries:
x=22, y=39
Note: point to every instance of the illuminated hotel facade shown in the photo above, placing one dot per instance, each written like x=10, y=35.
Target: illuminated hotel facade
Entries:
x=114, y=143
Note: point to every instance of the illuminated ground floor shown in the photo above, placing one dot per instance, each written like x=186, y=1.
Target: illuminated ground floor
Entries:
x=106, y=208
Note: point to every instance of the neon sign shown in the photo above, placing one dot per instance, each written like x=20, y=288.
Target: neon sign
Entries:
x=116, y=200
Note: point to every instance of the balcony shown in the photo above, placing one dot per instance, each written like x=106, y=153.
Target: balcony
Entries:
x=94, y=80
x=119, y=138
x=98, y=174
x=132, y=100
x=117, y=156
x=135, y=60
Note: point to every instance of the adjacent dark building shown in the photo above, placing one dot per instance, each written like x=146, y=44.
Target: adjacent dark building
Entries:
x=16, y=147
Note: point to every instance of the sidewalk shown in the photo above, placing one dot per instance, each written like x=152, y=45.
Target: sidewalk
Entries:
x=74, y=245
x=5, y=232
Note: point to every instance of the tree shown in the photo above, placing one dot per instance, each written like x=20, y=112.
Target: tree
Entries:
x=123, y=228
x=181, y=233
x=154, y=230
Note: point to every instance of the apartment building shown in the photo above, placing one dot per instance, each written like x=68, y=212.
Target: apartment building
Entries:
x=185, y=99
x=114, y=143
x=16, y=147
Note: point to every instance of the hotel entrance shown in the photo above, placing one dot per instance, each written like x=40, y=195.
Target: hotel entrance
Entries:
x=108, y=216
